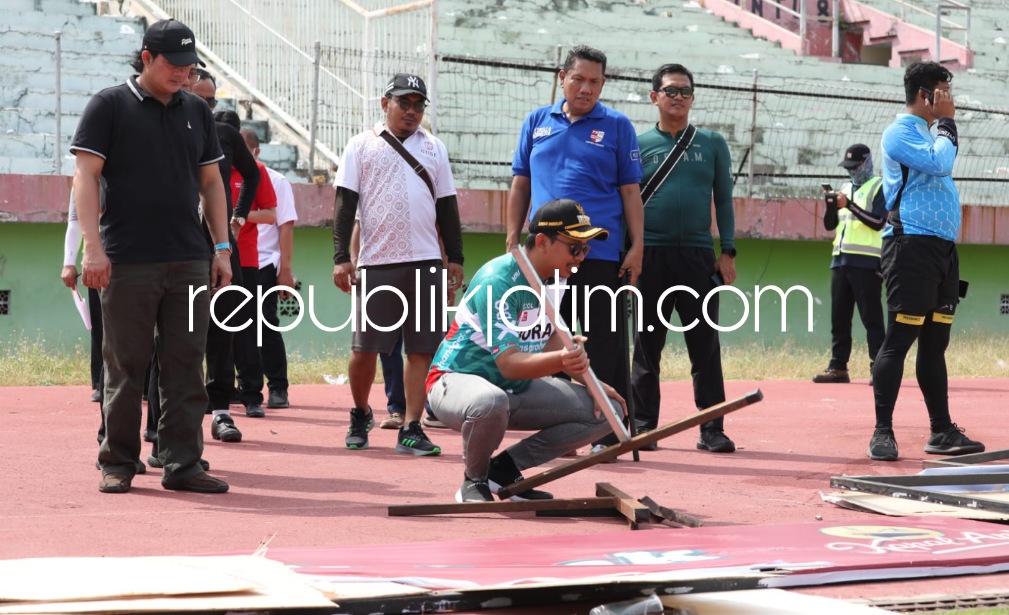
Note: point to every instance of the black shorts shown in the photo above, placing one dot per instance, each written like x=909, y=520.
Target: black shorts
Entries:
x=922, y=275
x=385, y=308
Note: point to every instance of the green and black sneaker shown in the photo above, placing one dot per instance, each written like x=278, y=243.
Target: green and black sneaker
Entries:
x=361, y=423
x=412, y=440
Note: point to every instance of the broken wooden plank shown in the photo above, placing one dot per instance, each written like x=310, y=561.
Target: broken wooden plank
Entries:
x=408, y=510
x=669, y=514
x=612, y=452
x=633, y=510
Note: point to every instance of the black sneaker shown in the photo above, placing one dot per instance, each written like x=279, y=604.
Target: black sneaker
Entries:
x=414, y=441
x=473, y=491
x=96, y=396
x=500, y=475
x=952, y=442
x=222, y=428
x=254, y=411
x=641, y=429
x=883, y=446
x=715, y=441
x=361, y=423
x=277, y=399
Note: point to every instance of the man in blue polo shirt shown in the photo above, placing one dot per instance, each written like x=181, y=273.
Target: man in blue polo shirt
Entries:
x=582, y=150
x=156, y=149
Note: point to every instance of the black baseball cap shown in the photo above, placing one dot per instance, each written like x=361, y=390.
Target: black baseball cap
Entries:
x=565, y=217
x=405, y=83
x=855, y=156
x=174, y=40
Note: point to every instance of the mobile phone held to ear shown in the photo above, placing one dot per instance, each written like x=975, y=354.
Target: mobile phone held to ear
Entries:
x=929, y=95
x=826, y=187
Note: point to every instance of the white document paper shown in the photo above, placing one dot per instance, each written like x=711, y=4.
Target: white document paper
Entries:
x=82, y=308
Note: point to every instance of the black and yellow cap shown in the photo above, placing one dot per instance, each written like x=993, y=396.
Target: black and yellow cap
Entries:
x=565, y=217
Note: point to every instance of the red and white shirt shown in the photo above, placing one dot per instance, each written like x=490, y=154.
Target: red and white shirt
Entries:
x=266, y=198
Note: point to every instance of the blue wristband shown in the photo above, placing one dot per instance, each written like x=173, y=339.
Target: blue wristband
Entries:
x=222, y=246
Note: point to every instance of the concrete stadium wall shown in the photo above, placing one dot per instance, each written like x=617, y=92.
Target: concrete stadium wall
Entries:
x=41, y=307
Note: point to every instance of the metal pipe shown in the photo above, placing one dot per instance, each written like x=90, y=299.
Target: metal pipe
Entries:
x=803, y=45
x=938, y=31
x=312, y=128
x=553, y=84
x=432, y=72
x=58, y=146
x=835, y=32
x=753, y=138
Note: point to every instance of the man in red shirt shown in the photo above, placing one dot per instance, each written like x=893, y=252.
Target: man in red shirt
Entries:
x=248, y=363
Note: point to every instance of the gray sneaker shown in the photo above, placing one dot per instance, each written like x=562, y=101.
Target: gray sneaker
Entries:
x=473, y=491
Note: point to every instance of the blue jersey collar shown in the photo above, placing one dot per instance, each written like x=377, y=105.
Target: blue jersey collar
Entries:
x=597, y=110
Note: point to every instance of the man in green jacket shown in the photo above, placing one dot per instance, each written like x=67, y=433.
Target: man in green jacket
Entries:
x=679, y=250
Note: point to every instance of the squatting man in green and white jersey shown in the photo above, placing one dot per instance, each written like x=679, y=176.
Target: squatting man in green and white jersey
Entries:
x=493, y=372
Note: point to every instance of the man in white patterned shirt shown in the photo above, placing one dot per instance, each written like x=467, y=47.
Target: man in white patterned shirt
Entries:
x=398, y=174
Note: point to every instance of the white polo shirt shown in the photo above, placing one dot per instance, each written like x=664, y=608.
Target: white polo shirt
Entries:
x=398, y=221
x=269, y=236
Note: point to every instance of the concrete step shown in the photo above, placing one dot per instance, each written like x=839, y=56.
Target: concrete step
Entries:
x=71, y=25
x=62, y=7
x=70, y=102
x=37, y=121
x=45, y=78
x=27, y=60
x=279, y=156
x=14, y=145
x=34, y=166
x=95, y=43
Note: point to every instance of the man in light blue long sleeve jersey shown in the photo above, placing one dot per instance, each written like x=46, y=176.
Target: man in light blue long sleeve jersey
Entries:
x=920, y=263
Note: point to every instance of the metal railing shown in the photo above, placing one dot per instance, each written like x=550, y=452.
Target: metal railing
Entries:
x=282, y=55
x=785, y=135
x=926, y=17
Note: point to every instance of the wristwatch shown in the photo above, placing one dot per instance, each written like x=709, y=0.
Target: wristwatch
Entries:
x=731, y=252
x=240, y=220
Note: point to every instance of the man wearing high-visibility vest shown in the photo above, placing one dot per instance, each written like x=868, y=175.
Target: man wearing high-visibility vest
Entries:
x=858, y=212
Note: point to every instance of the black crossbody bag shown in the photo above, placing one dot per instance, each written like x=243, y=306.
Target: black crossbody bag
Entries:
x=674, y=157
x=415, y=164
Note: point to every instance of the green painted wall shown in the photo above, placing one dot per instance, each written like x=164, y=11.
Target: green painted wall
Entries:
x=30, y=260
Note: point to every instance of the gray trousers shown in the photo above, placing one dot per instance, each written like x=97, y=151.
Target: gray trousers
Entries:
x=146, y=305
x=560, y=412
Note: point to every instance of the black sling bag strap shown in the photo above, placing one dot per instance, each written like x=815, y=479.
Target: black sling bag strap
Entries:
x=418, y=168
x=667, y=165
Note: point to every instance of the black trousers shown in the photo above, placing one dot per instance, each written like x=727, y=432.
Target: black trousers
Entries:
x=604, y=345
x=248, y=364
x=851, y=287
x=273, y=352
x=922, y=281
x=663, y=268
x=220, y=352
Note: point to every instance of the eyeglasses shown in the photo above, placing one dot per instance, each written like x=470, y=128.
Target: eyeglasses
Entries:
x=211, y=102
x=194, y=76
x=404, y=103
x=671, y=91
x=576, y=249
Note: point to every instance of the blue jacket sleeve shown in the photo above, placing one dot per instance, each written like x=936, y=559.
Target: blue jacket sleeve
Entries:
x=916, y=150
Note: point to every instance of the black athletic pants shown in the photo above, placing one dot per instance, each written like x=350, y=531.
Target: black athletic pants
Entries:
x=273, y=352
x=851, y=287
x=248, y=364
x=663, y=268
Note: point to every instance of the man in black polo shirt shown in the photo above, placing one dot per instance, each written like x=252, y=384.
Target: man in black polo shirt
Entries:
x=156, y=148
